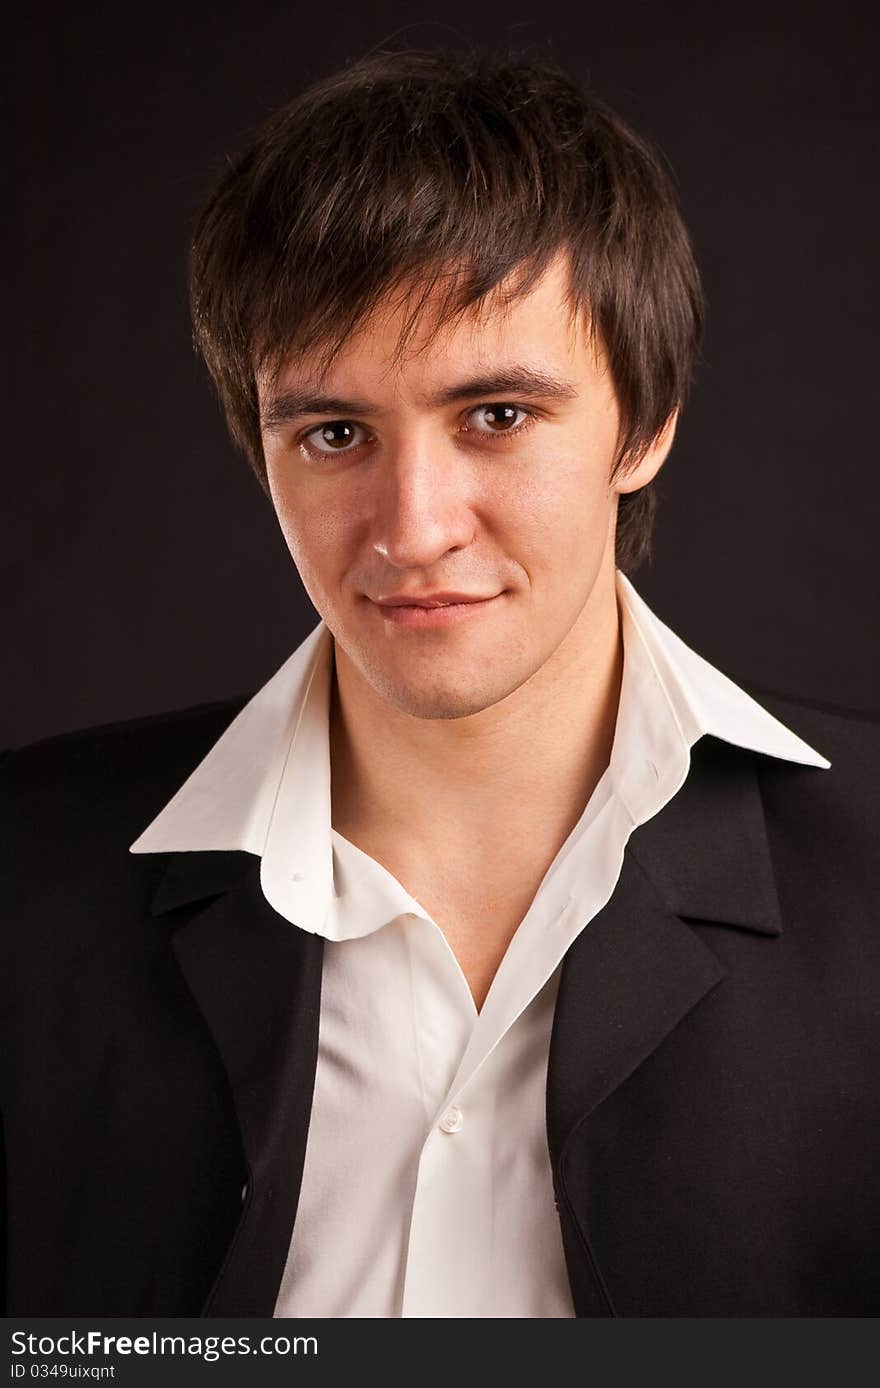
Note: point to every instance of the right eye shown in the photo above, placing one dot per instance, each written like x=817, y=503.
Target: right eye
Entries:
x=334, y=436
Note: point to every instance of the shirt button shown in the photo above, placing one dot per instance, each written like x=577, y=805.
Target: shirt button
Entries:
x=452, y=1120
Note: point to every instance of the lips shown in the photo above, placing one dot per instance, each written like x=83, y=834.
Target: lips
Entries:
x=422, y=614
x=434, y=600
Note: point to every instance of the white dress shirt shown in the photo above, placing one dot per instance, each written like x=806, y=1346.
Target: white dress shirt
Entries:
x=427, y=1187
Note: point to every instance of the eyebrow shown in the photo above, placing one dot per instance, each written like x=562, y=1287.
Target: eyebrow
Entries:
x=296, y=401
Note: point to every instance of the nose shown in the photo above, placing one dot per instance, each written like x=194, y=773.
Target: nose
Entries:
x=423, y=506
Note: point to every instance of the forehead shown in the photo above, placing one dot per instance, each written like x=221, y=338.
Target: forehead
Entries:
x=406, y=344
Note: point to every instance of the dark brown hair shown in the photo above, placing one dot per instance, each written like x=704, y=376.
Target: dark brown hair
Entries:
x=447, y=171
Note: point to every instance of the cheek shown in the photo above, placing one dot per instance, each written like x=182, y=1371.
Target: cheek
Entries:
x=316, y=535
x=317, y=514
x=560, y=511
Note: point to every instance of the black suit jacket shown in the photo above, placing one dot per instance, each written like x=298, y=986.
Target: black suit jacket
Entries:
x=712, y=1092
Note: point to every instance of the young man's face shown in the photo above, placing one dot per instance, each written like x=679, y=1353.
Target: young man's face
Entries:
x=448, y=474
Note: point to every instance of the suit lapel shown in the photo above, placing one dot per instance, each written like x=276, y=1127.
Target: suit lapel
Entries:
x=630, y=977
x=257, y=980
x=637, y=969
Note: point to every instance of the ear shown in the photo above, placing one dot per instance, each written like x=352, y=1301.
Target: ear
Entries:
x=650, y=464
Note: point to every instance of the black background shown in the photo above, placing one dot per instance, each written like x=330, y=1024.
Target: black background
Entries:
x=145, y=567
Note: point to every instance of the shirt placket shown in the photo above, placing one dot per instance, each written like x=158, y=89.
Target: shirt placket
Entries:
x=452, y=1203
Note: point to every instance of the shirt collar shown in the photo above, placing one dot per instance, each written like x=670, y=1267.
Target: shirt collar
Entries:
x=671, y=697
x=264, y=787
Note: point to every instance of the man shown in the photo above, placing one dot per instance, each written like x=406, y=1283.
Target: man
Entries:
x=500, y=957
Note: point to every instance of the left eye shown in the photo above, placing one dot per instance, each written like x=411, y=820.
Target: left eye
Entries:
x=500, y=417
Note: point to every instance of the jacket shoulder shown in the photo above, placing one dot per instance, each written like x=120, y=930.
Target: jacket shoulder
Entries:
x=835, y=730
x=121, y=772
x=828, y=815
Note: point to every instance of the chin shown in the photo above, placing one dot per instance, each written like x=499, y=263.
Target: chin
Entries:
x=429, y=700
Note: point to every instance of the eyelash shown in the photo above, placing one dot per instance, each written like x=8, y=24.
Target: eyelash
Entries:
x=531, y=417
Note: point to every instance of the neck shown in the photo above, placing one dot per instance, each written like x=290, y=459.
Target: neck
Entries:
x=520, y=771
